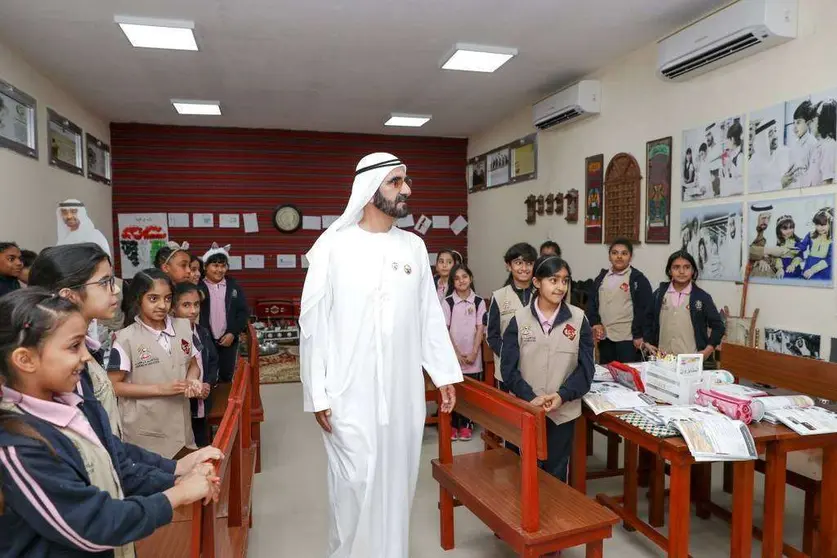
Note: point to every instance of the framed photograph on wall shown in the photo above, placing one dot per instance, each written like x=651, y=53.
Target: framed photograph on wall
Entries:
x=98, y=160
x=658, y=191
x=476, y=174
x=593, y=199
x=18, y=121
x=712, y=159
x=524, y=159
x=498, y=167
x=65, y=143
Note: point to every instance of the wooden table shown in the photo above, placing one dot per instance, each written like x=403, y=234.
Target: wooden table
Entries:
x=676, y=452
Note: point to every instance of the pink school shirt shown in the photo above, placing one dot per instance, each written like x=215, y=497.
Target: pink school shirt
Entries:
x=217, y=307
x=677, y=298
x=462, y=322
x=63, y=411
x=614, y=278
x=546, y=321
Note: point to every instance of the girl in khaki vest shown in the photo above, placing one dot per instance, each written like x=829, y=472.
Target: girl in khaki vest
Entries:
x=67, y=488
x=547, y=358
x=154, y=370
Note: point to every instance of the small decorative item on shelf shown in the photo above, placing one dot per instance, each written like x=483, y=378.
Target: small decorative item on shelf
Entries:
x=559, y=203
x=530, y=209
x=540, y=205
x=550, y=204
x=572, y=206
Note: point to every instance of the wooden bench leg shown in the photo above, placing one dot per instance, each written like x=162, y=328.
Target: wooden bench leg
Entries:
x=646, y=459
x=595, y=549
x=630, y=481
x=612, y=451
x=702, y=488
x=589, y=435
x=679, y=511
x=809, y=522
x=728, y=477
x=257, y=436
x=657, y=493
x=775, y=475
x=742, y=509
x=828, y=508
x=446, y=518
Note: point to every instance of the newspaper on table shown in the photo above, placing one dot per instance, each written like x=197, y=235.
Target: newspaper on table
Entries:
x=798, y=413
x=710, y=436
x=601, y=374
x=610, y=396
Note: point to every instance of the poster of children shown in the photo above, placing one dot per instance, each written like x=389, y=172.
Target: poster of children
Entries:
x=712, y=235
x=141, y=235
x=794, y=238
x=712, y=160
x=793, y=144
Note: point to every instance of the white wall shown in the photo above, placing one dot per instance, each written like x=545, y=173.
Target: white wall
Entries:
x=30, y=189
x=638, y=107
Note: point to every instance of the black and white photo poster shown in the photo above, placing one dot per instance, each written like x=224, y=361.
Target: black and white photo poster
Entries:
x=498, y=168
x=793, y=144
x=792, y=343
x=712, y=160
x=713, y=235
x=790, y=240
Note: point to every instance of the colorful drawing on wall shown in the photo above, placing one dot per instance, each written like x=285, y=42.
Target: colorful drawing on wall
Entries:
x=498, y=168
x=476, y=174
x=658, y=191
x=713, y=235
x=712, y=160
x=793, y=144
x=594, y=199
x=792, y=343
x=141, y=235
x=791, y=240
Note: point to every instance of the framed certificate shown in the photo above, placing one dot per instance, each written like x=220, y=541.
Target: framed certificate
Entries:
x=65, y=143
x=18, y=121
x=98, y=160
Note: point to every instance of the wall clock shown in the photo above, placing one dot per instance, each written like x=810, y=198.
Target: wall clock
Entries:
x=287, y=218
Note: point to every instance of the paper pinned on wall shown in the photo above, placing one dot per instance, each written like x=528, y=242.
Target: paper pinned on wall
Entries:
x=458, y=225
x=441, y=222
x=203, y=220
x=423, y=225
x=304, y=261
x=251, y=223
x=235, y=263
x=311, y=222
x=229, y=220
x=179, y=220
x=328, y=220
x=433, y=256
x=254, y=261
x=405, y=222
x=286, y=261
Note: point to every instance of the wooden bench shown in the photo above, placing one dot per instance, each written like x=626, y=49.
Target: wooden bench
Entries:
x=532, y=511
x=217, y=530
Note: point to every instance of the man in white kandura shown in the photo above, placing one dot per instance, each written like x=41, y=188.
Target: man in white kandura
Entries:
x=75, y=226
x=370, y=320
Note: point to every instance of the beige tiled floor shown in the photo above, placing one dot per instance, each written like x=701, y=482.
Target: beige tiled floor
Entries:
x=291, y=507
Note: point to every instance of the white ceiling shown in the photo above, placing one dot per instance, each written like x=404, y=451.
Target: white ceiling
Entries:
x=337, y=65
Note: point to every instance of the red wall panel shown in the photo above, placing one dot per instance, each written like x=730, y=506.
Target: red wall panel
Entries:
x=173, y=169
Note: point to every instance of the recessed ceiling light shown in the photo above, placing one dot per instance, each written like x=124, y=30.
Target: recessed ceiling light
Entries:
x=477, y=58
x=158, y=33
x=408, y=120
x=204, y=108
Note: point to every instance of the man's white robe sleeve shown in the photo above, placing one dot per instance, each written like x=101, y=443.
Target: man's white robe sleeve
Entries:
x=313, y=356
x=437, y=355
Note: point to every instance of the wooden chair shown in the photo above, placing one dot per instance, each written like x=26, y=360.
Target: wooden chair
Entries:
x=532, y=511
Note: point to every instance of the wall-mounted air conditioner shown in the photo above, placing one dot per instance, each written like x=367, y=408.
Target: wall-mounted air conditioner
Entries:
x=573, y=103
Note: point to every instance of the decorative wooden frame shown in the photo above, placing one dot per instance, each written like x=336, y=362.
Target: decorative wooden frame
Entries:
x=594, y=199
x=26, y=104
x=58, y=125
x=623, y=194
x=572, y=206
x=658, y=191
x=96, y=148
x=477, y=181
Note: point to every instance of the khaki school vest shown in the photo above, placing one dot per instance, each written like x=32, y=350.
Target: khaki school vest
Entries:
x=508, y=303
x=547, y=359
x=616, y=309
x=103, y=390
x=677, y=335
x=159, y=424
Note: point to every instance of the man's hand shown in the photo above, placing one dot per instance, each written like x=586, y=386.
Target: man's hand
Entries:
x=323, y=420
x=226, y=340
x=651, y=349
x=708, y=351
x=448, y=394
x=638, y=343
x=599, y=332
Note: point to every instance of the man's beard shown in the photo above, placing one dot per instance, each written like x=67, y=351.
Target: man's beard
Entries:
x=391, y=207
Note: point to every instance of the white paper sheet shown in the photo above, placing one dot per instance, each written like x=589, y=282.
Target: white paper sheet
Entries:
x=286, y=261
x=423, y=225
x=311, y=223
x=251, y=223
x=203, y=220
x=458, y=225
x=229, y=220
x=179, y=220
x=328, y=220
x=441, y=222
x=432, y=256
x=235, y=263
x=254, y=261
x=405, y=222
x=304, y=261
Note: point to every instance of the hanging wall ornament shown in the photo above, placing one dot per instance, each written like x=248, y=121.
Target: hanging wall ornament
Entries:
x=530, y=209
x=559, y=203
x=550, y=204
x=539, y=205
x=572, y=206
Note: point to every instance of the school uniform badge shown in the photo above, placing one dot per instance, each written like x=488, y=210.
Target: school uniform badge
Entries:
x=698, y=305
x=506, y=305
x=570, y=332
x=624, y=287
x=470, y=310
x=526, y=335
x=186, y=346
x=144, y=353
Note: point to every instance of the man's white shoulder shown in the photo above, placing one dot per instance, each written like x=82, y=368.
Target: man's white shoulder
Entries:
x=412, y=239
